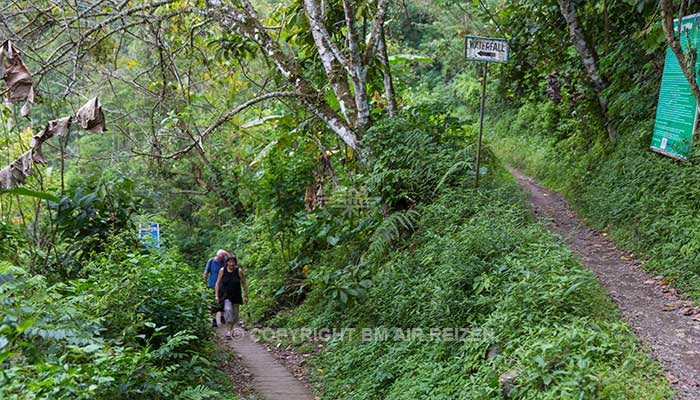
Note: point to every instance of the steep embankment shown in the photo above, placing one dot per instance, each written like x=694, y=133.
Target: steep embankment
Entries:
x=477, y=261
x=452, y=293
x=669, y=326
x=646, y=202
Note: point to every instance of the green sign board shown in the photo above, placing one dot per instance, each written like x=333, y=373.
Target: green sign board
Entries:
x=676, y=111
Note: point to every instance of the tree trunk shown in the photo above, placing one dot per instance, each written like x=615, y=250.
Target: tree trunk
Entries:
x=688, y=59
x=386, y=71
x=327, y=52
x=358, y=67
x=590, y=60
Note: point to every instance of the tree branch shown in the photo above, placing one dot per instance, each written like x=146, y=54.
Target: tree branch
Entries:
x=377, y=27
x=222, y=120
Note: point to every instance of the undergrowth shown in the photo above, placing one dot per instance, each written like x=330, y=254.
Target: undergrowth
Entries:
x=474, y=260
x=647, y=202
x=133, y=327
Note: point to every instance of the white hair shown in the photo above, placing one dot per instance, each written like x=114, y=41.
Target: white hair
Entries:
x=221, y=253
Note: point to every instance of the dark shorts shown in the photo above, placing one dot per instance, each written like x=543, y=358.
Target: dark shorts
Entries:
x=214, y=306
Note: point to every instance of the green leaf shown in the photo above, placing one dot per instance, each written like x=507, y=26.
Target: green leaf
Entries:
x=261, y=121
x=571, y=289
x=402, y=58
x=24, y=324
x=92, y=348
x=31, y=193
x=280, y=291
x=5, y=355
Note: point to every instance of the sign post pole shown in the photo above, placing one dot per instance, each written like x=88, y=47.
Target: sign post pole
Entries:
x=484, y=50
x=481, y=124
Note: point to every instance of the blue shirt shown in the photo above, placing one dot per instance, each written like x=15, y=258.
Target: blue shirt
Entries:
x=213, y=268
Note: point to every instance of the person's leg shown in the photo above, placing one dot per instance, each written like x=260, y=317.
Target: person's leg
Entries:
x=234, y=319
x=228, y=315
x=214, y=311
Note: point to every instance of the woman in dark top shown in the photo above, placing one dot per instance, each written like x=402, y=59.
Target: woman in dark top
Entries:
x=228, y=291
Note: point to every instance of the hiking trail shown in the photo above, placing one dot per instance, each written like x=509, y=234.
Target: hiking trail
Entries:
x=667, y=325
x=270, y=379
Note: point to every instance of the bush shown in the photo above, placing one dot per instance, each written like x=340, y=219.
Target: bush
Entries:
x=134, y=290
x=135, y=328
x=476, y=261
x=417, y=154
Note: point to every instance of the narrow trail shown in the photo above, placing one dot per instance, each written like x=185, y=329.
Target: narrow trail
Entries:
x=666, y=324
x=271, y=380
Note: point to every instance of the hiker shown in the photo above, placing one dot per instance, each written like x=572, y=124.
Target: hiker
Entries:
x=211, y=273
x=228, y=291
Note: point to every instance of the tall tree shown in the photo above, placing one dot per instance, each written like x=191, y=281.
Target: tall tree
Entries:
x=341, y=65
x=589, y=57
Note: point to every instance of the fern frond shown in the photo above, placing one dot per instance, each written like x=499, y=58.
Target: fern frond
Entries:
x=199, y=392
x=390, y=230
x=458, y=166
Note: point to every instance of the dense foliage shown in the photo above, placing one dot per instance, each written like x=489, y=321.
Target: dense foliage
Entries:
x=475, y=261
x=471, y=259
x=388, y=233
x=646, y=201
x=115, y=333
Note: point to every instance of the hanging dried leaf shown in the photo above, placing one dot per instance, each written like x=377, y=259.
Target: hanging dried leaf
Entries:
x=5, y=182
x=56, y=127
x=21, y=168
x=91, y=117
x=18, y=171
x=17, y=77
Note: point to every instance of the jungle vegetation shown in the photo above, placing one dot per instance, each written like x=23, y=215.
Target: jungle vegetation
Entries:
x=330, y=144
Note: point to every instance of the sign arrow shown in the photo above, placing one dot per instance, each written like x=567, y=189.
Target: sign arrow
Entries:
x=485, y=49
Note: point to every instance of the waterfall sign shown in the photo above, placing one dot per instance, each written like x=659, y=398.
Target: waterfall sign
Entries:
x=486, y=50
x=676, y=112
x=477, y=48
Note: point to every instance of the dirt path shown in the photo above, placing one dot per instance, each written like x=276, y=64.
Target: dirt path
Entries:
x=669, y=326
x=270, y=379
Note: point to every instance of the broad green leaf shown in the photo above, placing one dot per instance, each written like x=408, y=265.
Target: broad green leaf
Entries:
x=31, y=193
x=402, y=58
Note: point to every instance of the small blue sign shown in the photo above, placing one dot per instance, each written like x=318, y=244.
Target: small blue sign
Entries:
x=150, y=235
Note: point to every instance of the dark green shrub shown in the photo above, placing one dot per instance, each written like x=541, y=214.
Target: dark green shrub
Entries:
x=415, y=155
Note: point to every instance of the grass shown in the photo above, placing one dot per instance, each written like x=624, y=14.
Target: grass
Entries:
x=478, y=261
x=648, y=203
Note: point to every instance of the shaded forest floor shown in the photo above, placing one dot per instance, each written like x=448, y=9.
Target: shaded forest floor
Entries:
x=667, y=325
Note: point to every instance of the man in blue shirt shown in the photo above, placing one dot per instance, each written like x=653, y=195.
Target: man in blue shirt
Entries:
x=211, y=273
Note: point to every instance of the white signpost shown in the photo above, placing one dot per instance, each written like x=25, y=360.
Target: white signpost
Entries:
x=478, y=48
x=486, y=50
